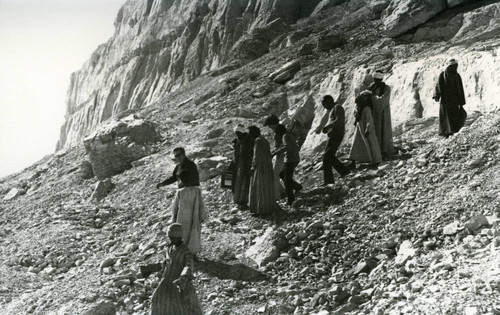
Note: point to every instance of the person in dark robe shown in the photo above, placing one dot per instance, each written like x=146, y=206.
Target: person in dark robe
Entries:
x=262, y=195
x=243, y=158
x=175, y=295
x=183, y=164
x=365, y=147
x=381, y=99
x=449, y=92
x=335, y=129
x=279, y=159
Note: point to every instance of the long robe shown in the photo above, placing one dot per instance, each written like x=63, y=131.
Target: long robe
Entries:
x=262, y=195
x=279, y=161
x=243, y=158
x=188, y=210
x=166, y=299
x=449, y=91
x=365, y=149
x=382, y=118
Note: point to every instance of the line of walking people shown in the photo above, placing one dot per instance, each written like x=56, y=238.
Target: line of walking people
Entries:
x=256, y=181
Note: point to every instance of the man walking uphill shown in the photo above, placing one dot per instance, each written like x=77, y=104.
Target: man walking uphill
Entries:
x=335, y=130
x=183, y=165
x=449, y=92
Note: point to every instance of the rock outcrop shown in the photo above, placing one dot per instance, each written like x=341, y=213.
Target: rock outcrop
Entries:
x=113, y=147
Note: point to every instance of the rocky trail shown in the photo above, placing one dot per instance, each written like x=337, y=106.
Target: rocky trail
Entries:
x=418, y=235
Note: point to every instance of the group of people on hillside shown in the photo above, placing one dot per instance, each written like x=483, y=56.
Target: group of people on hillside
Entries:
x=256, y=180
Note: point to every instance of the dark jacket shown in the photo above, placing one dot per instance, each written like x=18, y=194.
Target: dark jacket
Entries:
x=188, y=166
x=336, y=124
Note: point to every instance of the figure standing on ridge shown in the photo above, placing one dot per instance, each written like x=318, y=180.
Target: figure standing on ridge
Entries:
x=243, y=152
x=382, y=114
x=279, y=131
x=175, y=295
x=449, y=92
x=365, y=147
x=333, y=124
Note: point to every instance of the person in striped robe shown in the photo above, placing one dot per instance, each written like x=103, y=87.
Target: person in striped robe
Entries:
x=175, y=295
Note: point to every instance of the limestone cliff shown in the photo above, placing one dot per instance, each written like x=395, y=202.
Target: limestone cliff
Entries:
x=161, y=46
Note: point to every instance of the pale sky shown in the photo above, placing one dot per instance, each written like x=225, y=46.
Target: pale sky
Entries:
x=41, y=43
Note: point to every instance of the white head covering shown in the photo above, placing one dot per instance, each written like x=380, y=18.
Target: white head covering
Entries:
x=452, y=61
x=378, y=75
x=239, y=128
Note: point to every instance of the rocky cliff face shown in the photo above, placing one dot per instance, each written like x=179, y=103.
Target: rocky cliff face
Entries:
x=161, y=46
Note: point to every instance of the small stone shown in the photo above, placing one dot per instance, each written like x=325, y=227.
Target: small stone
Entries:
x=405, y=252
x=451, y=229
x=476, y=223
x=121, y=283
x=108, y=262
x=470, y=311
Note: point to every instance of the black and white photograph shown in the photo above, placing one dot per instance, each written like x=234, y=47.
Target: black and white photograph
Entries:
x=250, y=157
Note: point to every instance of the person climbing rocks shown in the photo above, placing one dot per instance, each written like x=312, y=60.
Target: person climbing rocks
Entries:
x=333, y=124
x=381, y=99
x=272, y=121
x=365, y=147
x=449, y=92
x=183, y=164
x=176, y=295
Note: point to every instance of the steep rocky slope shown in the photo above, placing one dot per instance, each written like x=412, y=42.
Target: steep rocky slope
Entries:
x=418, y=235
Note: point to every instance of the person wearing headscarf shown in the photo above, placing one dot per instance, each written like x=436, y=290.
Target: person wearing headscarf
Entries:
x=449, y=92
x=382, y=113
x=175, y=295
x=188, y=209
x=365, y=147
x=262, y=195
x=243, y=152
x=279, y=158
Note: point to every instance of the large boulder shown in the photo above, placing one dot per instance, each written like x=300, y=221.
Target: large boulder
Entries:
x=403, y=15
x=113, y=147
x=13, y=193
x=256, y=43
x=211, y=167
x=266, y=248
x=286, y=72
x=480, y=24
x=327, y=42
x=102, y=189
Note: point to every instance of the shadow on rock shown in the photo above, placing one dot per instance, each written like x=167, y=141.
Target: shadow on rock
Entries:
x=221, y=270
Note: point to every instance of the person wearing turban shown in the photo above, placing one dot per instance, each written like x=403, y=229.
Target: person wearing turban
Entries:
x=381, y=106
x=175, y=295
x=449, y=92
